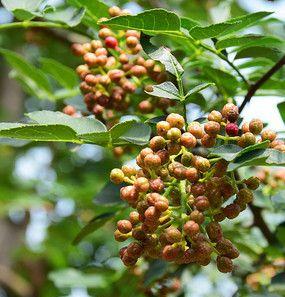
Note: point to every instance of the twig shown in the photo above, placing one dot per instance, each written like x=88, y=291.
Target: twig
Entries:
x=260, y=82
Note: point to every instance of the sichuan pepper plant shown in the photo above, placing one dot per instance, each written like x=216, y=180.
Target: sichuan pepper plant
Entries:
x=141, y=77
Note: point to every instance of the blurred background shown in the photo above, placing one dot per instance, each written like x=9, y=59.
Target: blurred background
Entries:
x=47, y=190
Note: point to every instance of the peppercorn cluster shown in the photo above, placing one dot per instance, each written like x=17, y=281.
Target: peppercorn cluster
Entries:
x=113, y=70
x=272, y=179
x=180, y=196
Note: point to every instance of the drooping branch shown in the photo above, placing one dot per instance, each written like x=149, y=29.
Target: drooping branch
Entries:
x=252, y=90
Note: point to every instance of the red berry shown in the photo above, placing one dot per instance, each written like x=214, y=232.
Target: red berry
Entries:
x=111, y=42
x=232, y=129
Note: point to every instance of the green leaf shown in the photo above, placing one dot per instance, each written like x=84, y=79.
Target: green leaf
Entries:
x=79, y=125
x=230, y=152
x=72, y=278
x=228, y=27
x=38, y=132
x=198, y=89
x=93, y=225
x=157, y=269
x=188, y=23
x=281, y=108
x=64, y=75
x=273, y=54
x=69, y=16
x=35, y=77
x=259, y=157
x=153, y=21
x=139, y=134
x=258, y=62
x=164, y=56
x=165, y=90
x=278, y=283
x=119, y=129
x=121, y=134
x=109, y=195
x=224, y=80
x=95, y=9
x=248, y=41
x=23, y=9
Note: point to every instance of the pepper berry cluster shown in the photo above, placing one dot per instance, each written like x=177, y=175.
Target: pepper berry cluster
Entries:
x=180, y=197
x=113, y=70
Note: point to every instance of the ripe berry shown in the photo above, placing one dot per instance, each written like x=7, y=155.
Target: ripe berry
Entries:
x=132, y=41
x=111, y=42
x=232, y=210
x=212, y=128
x=104, y=33
x=138, y=70
x=230, y=112
x=255, y=126
x=69, y=110
x=162, y=128
x=124, y=226
x=268, y=135
x=192, y=174
x=172, y=235
x=175, y=120
x=114, y=11
x=196, y=129
x=142, y=184
x=208, y=141
x=202, y=164
x=214, y=231
x=224, y=264
x=191, y=228
x=232, y=129
x=157, y=143
x=202, y=203
x=252, y=183
x=188, y=140
x=244, y=196
x=197, y=217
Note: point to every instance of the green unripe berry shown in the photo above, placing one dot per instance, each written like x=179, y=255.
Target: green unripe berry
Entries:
x=117, y=176
x=173, y=134
x=215, y=116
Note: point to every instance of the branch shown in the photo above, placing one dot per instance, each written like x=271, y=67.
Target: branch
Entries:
x=258, y=220
x=252, y=90
x=29, y=24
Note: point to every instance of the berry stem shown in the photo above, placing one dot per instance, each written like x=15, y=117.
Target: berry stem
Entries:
x=227, y=138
